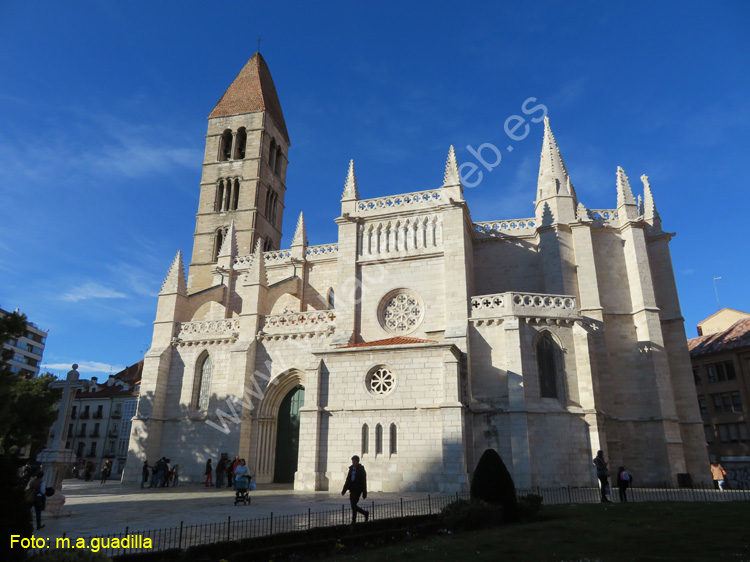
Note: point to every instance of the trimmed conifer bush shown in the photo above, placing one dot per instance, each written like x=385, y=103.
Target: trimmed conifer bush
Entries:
x=493, y=484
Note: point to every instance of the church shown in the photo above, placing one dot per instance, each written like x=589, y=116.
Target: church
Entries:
x=419, y=338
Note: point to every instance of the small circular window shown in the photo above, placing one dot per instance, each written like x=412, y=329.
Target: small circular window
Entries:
x=380, y=381
x=401, y=311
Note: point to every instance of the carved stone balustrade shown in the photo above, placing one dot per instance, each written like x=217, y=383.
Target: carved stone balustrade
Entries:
x=316, y=323
x=207, y=331
x=529, y=305
x=604, y=217
x=497, y=229
x=419, y=199
x=322, y=252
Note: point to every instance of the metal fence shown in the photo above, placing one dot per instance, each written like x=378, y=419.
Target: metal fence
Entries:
x=186, y=536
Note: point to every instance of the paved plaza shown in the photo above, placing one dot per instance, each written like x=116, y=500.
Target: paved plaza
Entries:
x=98, y=510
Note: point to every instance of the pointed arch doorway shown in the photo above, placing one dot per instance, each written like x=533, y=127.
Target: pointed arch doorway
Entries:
x=287, y=435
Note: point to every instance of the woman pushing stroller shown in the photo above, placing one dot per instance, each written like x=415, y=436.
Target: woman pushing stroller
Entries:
x=241, y=482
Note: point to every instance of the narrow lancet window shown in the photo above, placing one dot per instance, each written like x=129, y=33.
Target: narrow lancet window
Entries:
x=203, y=386
x=378, y=439
x=365, y=439
x=240, y=142
x=225, y=146
x=546, y=361
x=394, y=439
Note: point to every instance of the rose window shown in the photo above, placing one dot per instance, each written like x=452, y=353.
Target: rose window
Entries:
x=402, y=312
x=380, y=381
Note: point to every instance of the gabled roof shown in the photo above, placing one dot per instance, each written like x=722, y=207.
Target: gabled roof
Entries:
x=734, y=337
x=389, y=341
x=252, y=90
x=121, y=384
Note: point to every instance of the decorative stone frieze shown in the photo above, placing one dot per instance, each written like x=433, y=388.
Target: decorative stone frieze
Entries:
x=604, y=217
x=205, y=331
x=513, y=227
x=412, y=235
x=322, y=252
x=419, y=199
x=299, y=323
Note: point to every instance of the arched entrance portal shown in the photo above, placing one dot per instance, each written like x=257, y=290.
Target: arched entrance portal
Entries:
x=287, y=435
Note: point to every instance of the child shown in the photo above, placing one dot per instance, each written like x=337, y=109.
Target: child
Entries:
x=624, y=480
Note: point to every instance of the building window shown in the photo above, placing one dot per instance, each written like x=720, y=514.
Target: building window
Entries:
x=401, y=311
x=709, y=433
x=219, y=202
x=92, y=453
x=271, y=201
x=277, y=161
x=733, y=433
x=697, y=375
x=81, y=447
x=546, y=360
x=225, y=146
x=718, y=372
x=112, y=447
x=96, y=430
x=702, y=405
x=219, y=241
x=394, y=439
x=378, y=439
x=272, y=155
x=240, y=143
x=203, y=388
x=331, y=299
x=365, y=439
x=727, y=402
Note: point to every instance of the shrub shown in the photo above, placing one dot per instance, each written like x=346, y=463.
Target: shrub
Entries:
x=493, y=484
x=464, y=515
x=529, y=506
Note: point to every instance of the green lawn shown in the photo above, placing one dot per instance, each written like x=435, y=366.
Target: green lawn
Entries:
x=593, y=532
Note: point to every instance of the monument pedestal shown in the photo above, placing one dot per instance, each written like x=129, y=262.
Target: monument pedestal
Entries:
x=56, y=464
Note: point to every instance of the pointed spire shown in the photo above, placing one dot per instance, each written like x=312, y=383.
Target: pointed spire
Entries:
x=649, y=207
x=229, y=245
x=451, y=176
x=582, y=213
x=639, y=205
x=300, y=234
x=624, y=193
x=174, y=282
x=350, y=187
x=252, y=90
x=553, y=175
x=257, y=271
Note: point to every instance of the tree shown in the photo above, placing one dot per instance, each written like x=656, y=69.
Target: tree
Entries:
x=27, y=410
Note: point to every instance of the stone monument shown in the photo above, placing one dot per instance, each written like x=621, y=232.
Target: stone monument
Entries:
x=56, y=460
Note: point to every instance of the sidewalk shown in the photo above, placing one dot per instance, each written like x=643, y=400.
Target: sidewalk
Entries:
x=99, y=510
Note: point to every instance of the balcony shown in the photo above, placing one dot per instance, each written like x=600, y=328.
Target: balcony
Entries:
x=94, y=434
x=84, y=415
x=81, y=434
x=116, y=415
x=97, y=415
x=113, y=433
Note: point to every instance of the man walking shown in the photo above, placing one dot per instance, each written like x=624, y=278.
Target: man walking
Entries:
x=356, y=483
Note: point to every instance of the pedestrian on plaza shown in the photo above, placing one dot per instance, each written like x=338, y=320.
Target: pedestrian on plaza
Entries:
x=144, y=474
x=624, y=481
x=209, y=473
x=106, y=470
x=602, y=473
x=89, y=471
x=232, y=466
x=36, y=497
x=221, y=470
x=154, y=475
x=356, y=483
x=162, y=470
x=718, y=473
x=175, y=474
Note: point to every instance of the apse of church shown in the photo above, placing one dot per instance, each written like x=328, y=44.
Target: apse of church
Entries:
x=418, y=338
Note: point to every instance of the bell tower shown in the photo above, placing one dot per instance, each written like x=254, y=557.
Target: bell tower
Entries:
x=244, y=172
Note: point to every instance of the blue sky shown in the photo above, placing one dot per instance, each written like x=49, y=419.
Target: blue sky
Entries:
x=103, y=109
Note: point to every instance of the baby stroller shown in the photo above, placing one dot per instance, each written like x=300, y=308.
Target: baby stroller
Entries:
x=241, y=487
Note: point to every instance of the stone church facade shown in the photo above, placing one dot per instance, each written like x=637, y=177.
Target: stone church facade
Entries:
x=419, y=338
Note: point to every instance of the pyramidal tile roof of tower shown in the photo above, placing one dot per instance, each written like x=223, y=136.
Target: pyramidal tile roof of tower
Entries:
x=252, y=90
x=736, y=336
x=389, y=341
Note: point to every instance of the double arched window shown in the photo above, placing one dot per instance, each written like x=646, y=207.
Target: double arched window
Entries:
x=219, y=237
x=240, y=142
x=271, y=201
x=275, y=156
x=202, y=390
x=225, y=146
x=232, y=146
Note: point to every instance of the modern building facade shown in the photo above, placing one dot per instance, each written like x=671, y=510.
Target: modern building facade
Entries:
x=100, y=422
x=721, y=370
x=419, y=338
x=27, y=349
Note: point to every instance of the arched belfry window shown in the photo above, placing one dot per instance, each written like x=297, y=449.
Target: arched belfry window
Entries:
x=271, y=200
x=219, y=203
x=548, y=365
x=378, y=439
x=203, y=382
x=277, y=160
x=331, y=299
x=240, y=143
x=268, y=245
x=272, y=155
x=394, y=439
x=225, y=146
x=234, y=198
x=365, y=439
x=219, y=241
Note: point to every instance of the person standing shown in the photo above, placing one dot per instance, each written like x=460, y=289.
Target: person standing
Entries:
x=221, y=471
x=718, y=473
x=209, y=473
x=144, y=474
x=37, y=497
x=230, y=471
x=602, y=473
x=356, y=483
x=624, y=481
x=175, y=474
x=106, y=468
